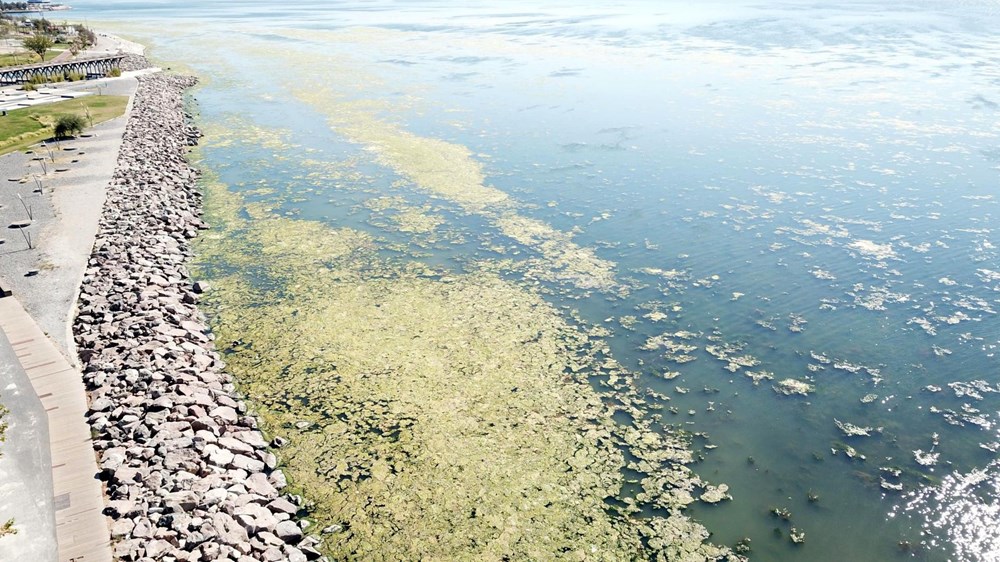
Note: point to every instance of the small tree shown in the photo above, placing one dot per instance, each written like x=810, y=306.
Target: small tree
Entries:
x=69, y=125
x=85, y=37
x=38, y=44
x=41, y=24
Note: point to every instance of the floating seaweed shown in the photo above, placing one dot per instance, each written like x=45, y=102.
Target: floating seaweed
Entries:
x=851, y=430
x=796, y=536
x=793, y=387
x=715, y=494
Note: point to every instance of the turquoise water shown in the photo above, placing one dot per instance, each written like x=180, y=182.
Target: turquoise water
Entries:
x=835, y=167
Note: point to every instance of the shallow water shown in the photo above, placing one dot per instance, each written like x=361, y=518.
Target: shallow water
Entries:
x=816, y=184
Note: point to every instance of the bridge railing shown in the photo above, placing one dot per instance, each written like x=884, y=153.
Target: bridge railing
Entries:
x=43, y=65
x=87, y=65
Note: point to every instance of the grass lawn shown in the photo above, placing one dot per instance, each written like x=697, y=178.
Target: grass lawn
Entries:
x=19, y=58
x=22, y=128
x=27, y=57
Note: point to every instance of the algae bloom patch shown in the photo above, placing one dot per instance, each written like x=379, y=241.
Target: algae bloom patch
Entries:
x=428, y=415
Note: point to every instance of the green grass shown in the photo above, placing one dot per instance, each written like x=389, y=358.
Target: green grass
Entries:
x=15, y=59
x=22, y=128
x=27, y=57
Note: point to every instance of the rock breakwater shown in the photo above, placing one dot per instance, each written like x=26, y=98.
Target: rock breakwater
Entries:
x=132, y=62
x=188, y=475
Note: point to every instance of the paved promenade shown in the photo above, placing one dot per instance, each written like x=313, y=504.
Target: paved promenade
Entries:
x=25, y=467
x=81, y=528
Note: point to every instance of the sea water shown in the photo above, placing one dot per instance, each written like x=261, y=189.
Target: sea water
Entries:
x=811, y=186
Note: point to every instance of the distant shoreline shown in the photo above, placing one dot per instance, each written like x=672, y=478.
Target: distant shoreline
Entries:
x=40, y=10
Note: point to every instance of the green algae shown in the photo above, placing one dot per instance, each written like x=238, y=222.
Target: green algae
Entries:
x=433, y=414
x=443, y=168
x=564, y=260
x=439, y=418
x=716, y=494
x=238, y=129
x=406, y=218
x=447, y=171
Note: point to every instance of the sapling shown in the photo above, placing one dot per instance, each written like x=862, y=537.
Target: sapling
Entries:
x=27, y=237
x=27, y=208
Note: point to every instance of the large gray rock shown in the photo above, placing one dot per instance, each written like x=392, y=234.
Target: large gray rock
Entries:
x=281, y=505
x=289, y=532
x=246, y=463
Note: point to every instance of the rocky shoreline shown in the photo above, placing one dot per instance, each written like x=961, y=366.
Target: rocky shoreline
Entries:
x=188, y=475
x=132, y=62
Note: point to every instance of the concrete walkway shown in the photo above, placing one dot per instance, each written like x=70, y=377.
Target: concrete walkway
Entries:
x=81, y=527
x=25, y=467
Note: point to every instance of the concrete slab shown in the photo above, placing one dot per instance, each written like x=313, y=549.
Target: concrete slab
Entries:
x=10, y=104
